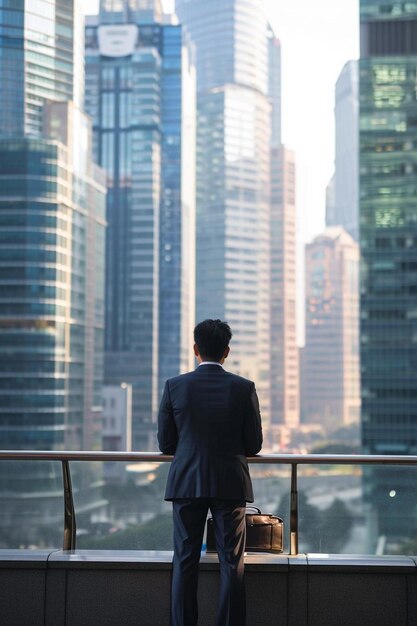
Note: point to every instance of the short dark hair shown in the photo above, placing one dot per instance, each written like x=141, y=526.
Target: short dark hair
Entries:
x=212, y=338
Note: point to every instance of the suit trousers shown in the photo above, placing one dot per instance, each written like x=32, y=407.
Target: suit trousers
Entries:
x=230, y=531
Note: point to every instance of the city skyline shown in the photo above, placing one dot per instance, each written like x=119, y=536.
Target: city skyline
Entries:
x=171, y=192
x=237, y=82
x=330, y=35
x=317, y=40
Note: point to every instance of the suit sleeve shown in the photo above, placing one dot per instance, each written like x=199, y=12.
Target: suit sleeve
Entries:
x=253, y=426
x=167, y=430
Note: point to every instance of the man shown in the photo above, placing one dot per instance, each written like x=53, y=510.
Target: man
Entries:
x=209, y=420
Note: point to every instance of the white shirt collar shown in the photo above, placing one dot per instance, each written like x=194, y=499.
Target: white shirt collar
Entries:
x=210, y=363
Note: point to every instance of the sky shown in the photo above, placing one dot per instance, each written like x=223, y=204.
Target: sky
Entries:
x=317, y=39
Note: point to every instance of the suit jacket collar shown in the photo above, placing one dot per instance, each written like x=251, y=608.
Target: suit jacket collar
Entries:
x=208, y=363
x=209, y=367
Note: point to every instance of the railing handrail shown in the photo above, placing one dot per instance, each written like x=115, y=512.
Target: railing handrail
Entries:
x=69, y=534
x=286, y=459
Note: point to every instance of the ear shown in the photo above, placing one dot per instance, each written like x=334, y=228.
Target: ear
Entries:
x=196, y=352
x=226, y=352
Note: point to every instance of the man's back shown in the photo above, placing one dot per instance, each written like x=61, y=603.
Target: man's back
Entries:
x=210, y=420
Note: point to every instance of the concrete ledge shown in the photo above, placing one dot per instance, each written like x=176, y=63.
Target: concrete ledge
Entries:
x=366, y=564
x=100, y=588
x=33, y=559
x=145, y=559
x=111, y=559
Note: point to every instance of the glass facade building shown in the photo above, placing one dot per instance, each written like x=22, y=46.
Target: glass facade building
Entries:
x=52, y=230
x=41, y=57
x=52, y=227
x=284, y=368
x=274, y=86
x=388, y=235
x=121, y=12
x=233, y=177
x=141, y=98
x=285, y=380
x=230, y=40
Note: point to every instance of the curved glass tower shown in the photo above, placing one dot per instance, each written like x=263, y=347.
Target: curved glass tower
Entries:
x=51, y=233
x=52, y=281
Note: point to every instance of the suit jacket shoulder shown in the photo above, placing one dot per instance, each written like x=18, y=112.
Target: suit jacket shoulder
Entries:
x=240, y=379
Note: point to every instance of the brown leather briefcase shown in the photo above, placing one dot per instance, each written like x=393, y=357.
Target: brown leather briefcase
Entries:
x=264, y=533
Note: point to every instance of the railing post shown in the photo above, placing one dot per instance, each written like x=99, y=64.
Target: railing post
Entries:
x=294, y=511
x=70, y=527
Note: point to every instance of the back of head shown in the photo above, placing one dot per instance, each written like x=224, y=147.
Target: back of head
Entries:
x=212, y=338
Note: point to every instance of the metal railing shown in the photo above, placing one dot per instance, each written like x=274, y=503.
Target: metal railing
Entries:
x=294, y=460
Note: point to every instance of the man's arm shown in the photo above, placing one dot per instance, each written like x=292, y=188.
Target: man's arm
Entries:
x=253, y=427
x=167, y=430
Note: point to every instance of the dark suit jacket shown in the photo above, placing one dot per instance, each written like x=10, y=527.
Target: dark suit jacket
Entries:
x=209, y=419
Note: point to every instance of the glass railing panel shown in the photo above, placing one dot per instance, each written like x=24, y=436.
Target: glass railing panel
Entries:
x=343, y=509
x=121, y=506
x=353, y=509
x=31, y=504
x=390, y=509
x=271, y=488
x=330, y=509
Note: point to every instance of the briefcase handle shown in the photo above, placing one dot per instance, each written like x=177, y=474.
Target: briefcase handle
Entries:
x=253, y=508
x=249, y=508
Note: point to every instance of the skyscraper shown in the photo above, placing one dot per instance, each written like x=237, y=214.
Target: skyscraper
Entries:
x=330, y=386
x=140, y=93
x=233, y=177
x=388, y=166
x=122, y=12
x=284, y=368
x=284, y=351
x=346, y=176
x=331, y=219
x=52, y=230
x=52, y=227
x=274, y=86
x=42, y=48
